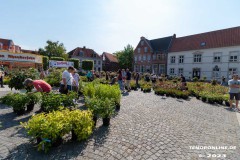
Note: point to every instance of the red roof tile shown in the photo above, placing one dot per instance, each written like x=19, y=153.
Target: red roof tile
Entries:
x=110, y=57
x=86, y=52
x=214, y=39
x=29, y=51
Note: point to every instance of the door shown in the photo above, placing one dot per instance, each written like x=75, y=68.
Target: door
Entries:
x=196, y=73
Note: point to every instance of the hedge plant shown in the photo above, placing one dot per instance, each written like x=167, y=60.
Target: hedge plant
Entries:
x=57, y=58
x=87, y=65
x=76, y=62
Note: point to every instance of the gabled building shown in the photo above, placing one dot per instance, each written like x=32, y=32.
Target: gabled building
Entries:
x=211, y=54
x=110, y=62
x=151, y=55
x=87, y=54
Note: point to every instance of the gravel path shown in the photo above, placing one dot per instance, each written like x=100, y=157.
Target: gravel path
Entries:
x=146, y=127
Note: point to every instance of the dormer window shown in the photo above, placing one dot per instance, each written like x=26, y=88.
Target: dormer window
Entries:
x=203, y=44
x=80, y=53
x=142, y=43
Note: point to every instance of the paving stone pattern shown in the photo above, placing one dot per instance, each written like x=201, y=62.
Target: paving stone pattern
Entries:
x=146, y=127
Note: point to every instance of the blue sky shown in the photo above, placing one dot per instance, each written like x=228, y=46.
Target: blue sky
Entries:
x=109, y=25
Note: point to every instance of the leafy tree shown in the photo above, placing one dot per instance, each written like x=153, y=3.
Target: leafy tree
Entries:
x=65, y=56
x=87, y=65
x=125, y=57
x=75, y=61
x=53, y=49
x=45, y=62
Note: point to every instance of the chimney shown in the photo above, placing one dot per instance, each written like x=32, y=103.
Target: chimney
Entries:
x=84, y=47
x=142, y=38
x=174, y=35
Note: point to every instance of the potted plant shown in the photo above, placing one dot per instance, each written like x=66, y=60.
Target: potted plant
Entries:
x=51, y=102
x=106, y=110
x=19, y=102
x=33, y=98
x=211, y=99
x=93, y=105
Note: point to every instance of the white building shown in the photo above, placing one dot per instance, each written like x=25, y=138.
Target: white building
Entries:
x=87, y=54
x=211, y=55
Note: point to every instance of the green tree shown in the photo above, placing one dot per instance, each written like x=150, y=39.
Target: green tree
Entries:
x=53, y=49
x=125, y=57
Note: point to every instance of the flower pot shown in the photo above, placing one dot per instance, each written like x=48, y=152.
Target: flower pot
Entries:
x=227, y=103
x=167, y=95
x=74, y=136
x=94, y=120
x=117, y=106
x=220, y=102
x=198, y=97
x=39, y=140
x=30, y=107
x=204, y=99
x=106, y=121
x=20, y=112
x=57, y=142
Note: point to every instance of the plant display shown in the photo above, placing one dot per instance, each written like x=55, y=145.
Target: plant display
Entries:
x=18, y=77
x=133, y=85
x=54, y=77
x=33, y=98
x=50, y=128
x=106, y=108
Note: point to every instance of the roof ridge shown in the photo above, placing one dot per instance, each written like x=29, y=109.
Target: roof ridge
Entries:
x=209, y=32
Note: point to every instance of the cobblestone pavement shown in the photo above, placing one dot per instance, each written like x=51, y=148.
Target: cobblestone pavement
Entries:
x=146, y=127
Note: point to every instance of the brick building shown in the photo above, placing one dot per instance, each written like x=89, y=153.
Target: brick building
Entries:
x=151, y=55
x=110, y=62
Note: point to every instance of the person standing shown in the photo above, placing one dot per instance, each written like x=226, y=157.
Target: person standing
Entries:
x=76, y=78
x=128, y=80
x=183, y=81
x=67, y=80
x=234, y=85
x=89, y=76
x=1, y=78
x=120, y=80
x=137, y=79
x=40, y=85
x=123, y=78
x=223, y=82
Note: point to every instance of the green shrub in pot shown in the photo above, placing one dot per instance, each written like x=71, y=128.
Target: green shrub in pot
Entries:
x=106, y=110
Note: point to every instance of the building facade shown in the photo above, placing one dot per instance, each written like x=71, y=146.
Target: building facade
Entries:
x=110, y=62
x=211, y=55
x=13, y=57
x=151, y=55
x=87, y=54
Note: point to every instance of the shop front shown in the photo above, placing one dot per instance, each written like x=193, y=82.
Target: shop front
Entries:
x=12, y=61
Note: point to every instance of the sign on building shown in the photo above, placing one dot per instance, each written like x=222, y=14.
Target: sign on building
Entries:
x=20, y=57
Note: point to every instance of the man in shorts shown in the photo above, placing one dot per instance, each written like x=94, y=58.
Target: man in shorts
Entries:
x=234, y=85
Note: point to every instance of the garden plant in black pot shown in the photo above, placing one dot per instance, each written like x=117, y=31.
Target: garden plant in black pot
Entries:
x=106, y=110
x=93, y=105
x=33, y=98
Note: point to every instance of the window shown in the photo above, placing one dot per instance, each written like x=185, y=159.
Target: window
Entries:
x=216, y=73
x=135, y=58
x=139, y=58
x=154, y=56
x=142, y=43
x=232, y=71
x=149, y=57
x=94, y=61
x=233, y=56
x=172, y=58
x=160, y=56
x=171, y=71
x=181, y=59
x=180, y=71
x=203, y=44
x=197, y=58
x=144, y=57
x=139, y=50
x=145, y=49
x=99, y=62
x=217, y=57
x=104, y=58
x=80, y=53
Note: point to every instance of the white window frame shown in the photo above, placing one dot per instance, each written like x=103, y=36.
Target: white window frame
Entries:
x=181, y=59
x=172, y=71
x=139, y=50
x=135, y=58
x=232, y=56
x=216, y=74
x=149, y=57
x=95, y=62
x=231, y=72
x=179, y=73
x=219, y=55
x=144, y=57
x=145, y=49
x=173, y=59
x=99, y=62
x=197, y=57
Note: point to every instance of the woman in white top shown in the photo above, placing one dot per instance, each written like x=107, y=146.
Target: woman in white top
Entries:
x=76, y=77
